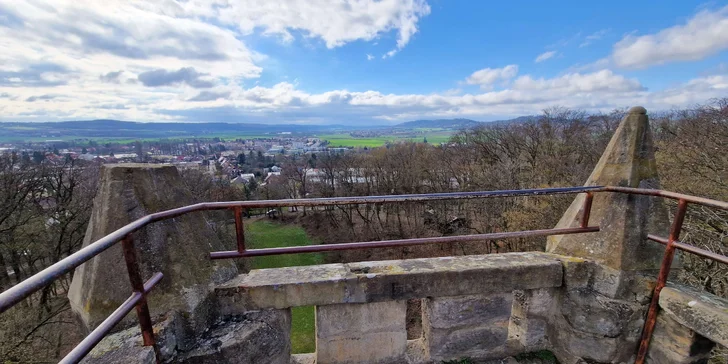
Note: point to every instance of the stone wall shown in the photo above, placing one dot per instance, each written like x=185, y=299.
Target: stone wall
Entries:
x=481, y=307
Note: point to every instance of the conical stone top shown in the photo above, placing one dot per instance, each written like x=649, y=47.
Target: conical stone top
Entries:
x=625, y=220
x=178, y=247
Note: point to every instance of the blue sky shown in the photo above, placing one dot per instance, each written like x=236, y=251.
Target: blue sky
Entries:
x=354, y=61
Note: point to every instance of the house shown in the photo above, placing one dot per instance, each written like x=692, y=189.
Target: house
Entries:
x=244, y=178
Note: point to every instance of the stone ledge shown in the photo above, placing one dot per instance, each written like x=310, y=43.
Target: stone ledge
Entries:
x=701, y=312
x=380, y=281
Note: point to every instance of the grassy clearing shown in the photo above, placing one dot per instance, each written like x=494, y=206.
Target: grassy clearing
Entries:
x=266, y=234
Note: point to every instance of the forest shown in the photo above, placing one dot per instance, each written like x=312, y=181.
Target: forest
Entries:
x=45, y=208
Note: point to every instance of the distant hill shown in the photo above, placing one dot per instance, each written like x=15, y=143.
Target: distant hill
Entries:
x=518, y=120
x=129, y=129
x=439, y=123
x=461, y=123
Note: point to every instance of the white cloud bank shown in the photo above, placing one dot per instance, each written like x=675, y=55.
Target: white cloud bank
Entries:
x=154, y=61
x=705, y=34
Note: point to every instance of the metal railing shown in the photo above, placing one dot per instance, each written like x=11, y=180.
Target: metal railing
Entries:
x=137, y=300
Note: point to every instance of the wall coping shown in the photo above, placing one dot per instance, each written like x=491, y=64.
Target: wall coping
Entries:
x=378, y=281
x=702, y=312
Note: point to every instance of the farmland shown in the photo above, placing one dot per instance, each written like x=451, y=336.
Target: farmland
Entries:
x=346, y=140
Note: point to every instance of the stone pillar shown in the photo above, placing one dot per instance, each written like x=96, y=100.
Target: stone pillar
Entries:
x=603, y=303
x=361, y=333
x=179, y=248
x=466, y=326
x=628, y=161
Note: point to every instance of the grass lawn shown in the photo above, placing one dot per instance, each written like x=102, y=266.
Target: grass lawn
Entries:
x=266, y=234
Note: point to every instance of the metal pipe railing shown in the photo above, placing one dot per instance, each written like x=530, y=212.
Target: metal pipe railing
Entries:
x=45, y=277
x=137, y=300
x=98, y=334
x=399, y=242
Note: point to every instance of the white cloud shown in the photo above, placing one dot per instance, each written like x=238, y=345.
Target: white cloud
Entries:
x=591, y=38
x=572, y=83
x=129, y=59
x=544, y=56
x=155, y=61
x=487, y=77
x=389, y=54
x=336, y=23
x=703, y=35
x=286, y=103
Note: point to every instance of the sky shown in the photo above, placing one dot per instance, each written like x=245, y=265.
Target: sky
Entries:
x=354, y=62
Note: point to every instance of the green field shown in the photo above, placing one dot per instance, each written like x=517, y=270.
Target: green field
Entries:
x=346, y=140
x=266, y=234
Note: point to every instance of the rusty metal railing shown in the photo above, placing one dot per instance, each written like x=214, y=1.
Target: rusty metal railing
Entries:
x=137, y=300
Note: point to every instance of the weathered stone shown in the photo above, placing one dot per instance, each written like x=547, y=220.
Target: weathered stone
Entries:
x=388, y=280
x=121, y=348
x=466, y=326
x=673, y=343
x=701, y=312
x=463, y=311
x=177, y=247
x=596, y=314
x=613, y=283
x=625, y=220
x=416, y=352
x=361, y=333
x=587, y=319
x=126, y=346
x=528, y=327
x=574, y=345
x=261, y=337
x=309, y=358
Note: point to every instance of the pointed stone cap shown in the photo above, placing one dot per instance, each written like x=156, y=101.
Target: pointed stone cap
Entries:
x=625, y=220
x=179, y=247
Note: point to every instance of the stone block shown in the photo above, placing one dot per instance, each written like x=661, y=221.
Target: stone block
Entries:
x=388, y=280
x=261, y=337
x=673, y=343
x=573, y=345
x=598, y=315
x=121, y=348
x=467, y=326
x=528, y=326
x=702, y=312
x=361, y=333
x=582, y=274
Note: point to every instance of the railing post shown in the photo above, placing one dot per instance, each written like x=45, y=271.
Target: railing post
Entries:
x=661, y=280
x=239, y=228
x=137, y=284
x=586, y=210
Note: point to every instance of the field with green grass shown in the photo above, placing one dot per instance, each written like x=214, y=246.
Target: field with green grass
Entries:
x=267, y=234
x=346, y=140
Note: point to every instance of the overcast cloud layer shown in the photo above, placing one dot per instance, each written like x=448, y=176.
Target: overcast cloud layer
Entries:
x=164, y=60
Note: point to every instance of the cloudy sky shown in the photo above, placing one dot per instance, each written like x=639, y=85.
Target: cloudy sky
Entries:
x=353, y=61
